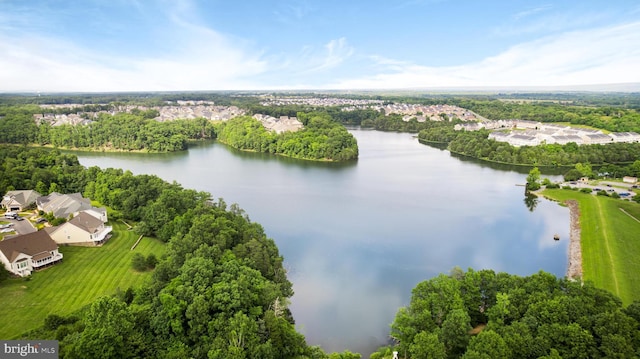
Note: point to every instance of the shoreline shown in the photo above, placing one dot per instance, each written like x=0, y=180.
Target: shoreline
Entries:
x=574, y=270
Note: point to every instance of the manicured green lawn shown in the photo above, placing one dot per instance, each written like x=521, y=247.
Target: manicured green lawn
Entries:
x=610, y=241
x=85, y=274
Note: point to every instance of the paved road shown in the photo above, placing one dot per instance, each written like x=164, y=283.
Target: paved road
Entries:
x=615, y=187
x=21, y=227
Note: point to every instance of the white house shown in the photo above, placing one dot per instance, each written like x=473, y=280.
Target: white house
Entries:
x=523, y=140
x=596, y=138
x=499, y=136
x=625, y=137
x=82, y=230
x=99, y=213
x=23, y=254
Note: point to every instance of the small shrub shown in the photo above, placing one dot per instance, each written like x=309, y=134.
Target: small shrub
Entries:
x=4, y=273
x=585, y=190
x=138, y=262
x=141, y=264
x=614, y=195
x=553, y=185
x=151, y=261
x=57, y=221
x=53, y=321
x=534, y=186
x=62, y=332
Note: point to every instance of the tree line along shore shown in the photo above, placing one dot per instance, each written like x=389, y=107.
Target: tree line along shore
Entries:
x=220, y=265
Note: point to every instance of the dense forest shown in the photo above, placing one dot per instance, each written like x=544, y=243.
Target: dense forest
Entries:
x=41, y=169
x=219, y=292
x=366, y=118
x=123, y=131
x=483, y=314
x=320, y=139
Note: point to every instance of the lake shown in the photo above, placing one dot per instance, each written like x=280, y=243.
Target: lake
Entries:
x=357, y=237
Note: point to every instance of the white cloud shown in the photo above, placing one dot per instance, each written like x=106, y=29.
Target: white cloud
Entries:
x=532, y=11
x=337, y=51
x=184, y=54
x=333, y=53
x=197, y=58
x=528, y=23
x=596, y=56
x=293, y=12
x=38, y=64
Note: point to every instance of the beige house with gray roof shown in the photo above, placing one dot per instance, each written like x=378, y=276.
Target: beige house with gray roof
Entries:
x=82, y=230
x=23, y=254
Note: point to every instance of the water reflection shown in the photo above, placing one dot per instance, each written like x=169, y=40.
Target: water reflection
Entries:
x=547, y=170
x=530, y=200
x=357, y=237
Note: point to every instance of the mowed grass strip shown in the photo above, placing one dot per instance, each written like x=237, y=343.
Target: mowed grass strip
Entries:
x=85, y=274
x=610, y=242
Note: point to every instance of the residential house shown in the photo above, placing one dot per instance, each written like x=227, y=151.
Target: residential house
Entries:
x=82, y=230
x=19, y=200
x=25, y=253
x=99, y=213
x=63, y=205
x=596, y=138
x=564, y=139
x=499, y=136
x=523, y=140
x=473, y=126
x=534, y=125
x=625, y=137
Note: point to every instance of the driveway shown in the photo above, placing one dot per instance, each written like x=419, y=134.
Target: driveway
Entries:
x=22, y=227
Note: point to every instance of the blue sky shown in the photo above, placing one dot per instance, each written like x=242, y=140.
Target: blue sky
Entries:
x=156, y=45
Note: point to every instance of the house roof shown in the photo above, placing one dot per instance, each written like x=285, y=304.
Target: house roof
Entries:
x=86, y=222
x=63, y=205
x=30, y=244
x=23, y=197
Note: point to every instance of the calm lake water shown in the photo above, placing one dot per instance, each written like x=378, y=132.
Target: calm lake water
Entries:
x=358, y=237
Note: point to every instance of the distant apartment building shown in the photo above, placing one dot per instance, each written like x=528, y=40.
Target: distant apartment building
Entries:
x=531, y=133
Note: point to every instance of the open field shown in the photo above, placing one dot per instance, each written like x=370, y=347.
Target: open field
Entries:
x=610, y=242
x=85, y=274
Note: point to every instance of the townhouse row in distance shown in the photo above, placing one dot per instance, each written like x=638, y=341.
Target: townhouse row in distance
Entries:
x=31, y=249
x=530, y=133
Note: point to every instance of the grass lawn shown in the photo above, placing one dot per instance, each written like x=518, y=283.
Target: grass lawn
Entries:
x=610, y=241
x=85, y=274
